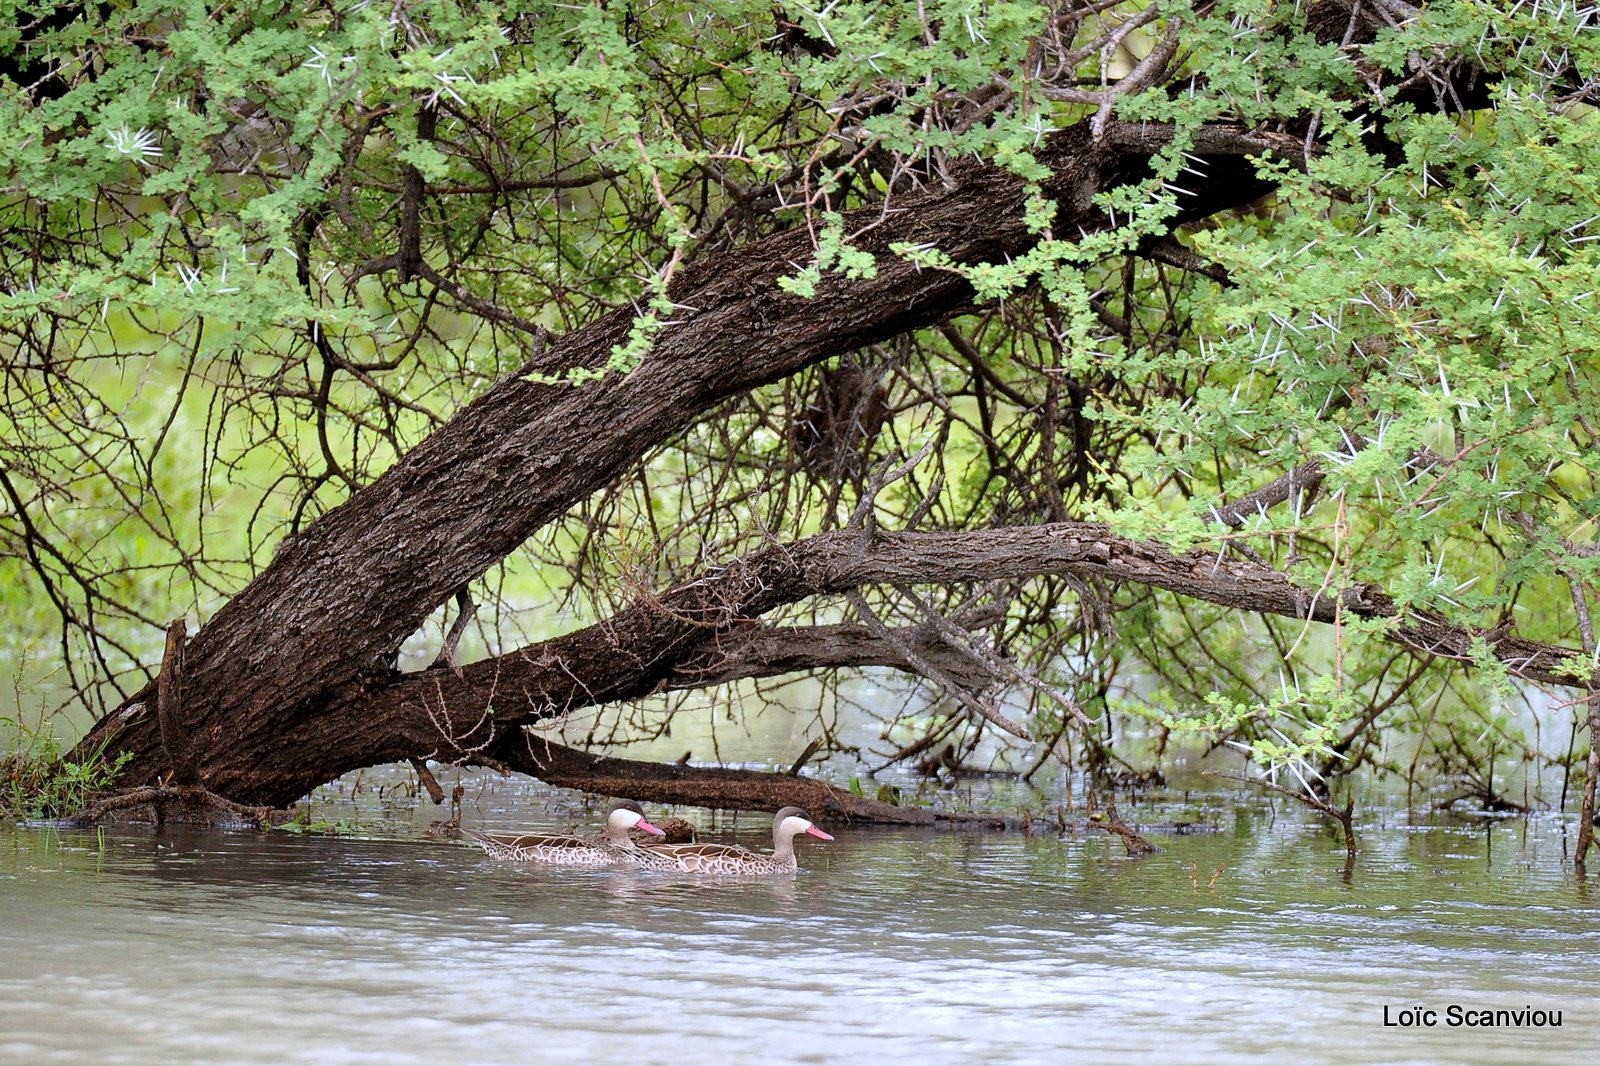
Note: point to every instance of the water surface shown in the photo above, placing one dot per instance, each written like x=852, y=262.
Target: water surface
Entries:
x=1238, y=946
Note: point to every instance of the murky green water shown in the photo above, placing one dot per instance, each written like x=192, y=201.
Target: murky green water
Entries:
x=888, y=947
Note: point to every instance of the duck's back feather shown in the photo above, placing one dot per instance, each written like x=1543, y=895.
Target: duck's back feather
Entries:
x=545, y=848
x=727, y=860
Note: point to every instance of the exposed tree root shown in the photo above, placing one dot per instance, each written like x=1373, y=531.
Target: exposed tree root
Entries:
x=676, y=830
x=180, y=805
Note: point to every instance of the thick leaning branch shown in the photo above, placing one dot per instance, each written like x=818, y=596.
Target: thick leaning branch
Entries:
x=687, y=623
x=662, y=642
x=756, y=651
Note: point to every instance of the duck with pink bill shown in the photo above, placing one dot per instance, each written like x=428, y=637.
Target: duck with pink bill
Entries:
x=729, y=860
x=614, y=847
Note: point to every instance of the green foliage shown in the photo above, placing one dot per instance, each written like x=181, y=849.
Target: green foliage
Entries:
x=1424, y=327
x=1294, y=728
x=38, y=781
x=834, y=254
x=307, y=824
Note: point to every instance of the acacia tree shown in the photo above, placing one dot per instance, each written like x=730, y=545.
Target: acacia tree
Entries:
x=1075, y=358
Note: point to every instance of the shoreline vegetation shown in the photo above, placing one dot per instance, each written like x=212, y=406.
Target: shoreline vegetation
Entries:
x=43, y=778
x=42, y=786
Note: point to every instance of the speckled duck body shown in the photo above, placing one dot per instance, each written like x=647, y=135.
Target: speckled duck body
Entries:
x=557, y=850
x=729, y=860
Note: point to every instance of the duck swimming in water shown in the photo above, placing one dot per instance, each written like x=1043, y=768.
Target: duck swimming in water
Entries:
x=728, y=860
x=614, y=847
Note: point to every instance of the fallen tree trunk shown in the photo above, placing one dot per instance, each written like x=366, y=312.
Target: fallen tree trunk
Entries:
x=320, y=627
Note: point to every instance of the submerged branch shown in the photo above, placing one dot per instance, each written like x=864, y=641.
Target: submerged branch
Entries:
x=1345, y=816
x=702, y=786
